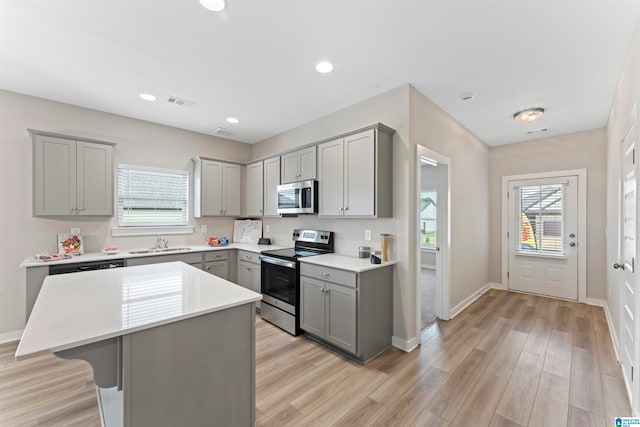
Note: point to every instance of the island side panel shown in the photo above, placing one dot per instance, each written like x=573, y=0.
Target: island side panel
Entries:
x=195, y=372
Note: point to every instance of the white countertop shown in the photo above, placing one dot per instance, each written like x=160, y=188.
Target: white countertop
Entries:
x=81, y=308
x=345, y=262
x=124, y=253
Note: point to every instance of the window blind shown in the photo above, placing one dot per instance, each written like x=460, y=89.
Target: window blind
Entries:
x=542, y=218
x=152, y=197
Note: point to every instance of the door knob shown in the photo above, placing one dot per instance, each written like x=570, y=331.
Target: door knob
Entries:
x=572, y=244
x=620, y=266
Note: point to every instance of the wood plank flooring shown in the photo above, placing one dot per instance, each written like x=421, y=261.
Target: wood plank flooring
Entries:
x=508, y=360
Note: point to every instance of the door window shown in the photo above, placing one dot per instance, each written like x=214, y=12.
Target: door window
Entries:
x=541, y=217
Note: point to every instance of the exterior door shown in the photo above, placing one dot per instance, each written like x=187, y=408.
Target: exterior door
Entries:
x=626, y=264
x=543, y=236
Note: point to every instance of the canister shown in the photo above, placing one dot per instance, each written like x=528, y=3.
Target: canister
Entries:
x=364, y=251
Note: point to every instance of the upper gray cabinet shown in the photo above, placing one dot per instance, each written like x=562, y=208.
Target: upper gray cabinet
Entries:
x=254, y=203
x=71, y=176
x=271, y=182
x=355, y=174
x=216, y=188
x=298, y=165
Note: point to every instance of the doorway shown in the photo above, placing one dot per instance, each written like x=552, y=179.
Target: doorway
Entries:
x=544, y=224
x=433, y=237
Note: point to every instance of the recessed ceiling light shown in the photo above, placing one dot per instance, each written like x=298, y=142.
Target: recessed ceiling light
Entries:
x=528, y=115
x=233, y=120
x=214, y=5
x=324, y=67
x=147, y=97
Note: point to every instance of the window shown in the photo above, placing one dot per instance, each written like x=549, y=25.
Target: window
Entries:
x=541, y=217
x=152, y=197
x=428, y=218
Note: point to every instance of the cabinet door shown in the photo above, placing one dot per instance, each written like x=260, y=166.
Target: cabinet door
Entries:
x=231, y=190
x=341, y=316
x=54, y=180
x=254, y=189
x=331, y=176
x=256, y=276
x=94, y=179
x=211, y=201
x=359, y=183
x=307, y=164
x=312, y=312
x=218, y=268
x=271, y=182
x=244, y=274
x=289, y=163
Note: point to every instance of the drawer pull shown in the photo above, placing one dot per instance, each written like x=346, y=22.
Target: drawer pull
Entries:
x=325, y=274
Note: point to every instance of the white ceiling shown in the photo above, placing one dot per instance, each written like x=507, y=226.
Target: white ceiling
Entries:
x=255, y=60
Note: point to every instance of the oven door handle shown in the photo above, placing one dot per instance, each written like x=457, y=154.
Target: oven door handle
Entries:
x=276, y=261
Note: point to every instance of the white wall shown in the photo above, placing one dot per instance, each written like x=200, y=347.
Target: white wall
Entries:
x=139, y=142
x=627, y=93
x=469, y=171
x=574, y=151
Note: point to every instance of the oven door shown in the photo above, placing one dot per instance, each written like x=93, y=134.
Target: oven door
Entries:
x=279, y=283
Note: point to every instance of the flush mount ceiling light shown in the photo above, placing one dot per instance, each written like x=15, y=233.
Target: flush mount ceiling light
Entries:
x=528, y=115
x=324, y=67
x=233, y=120
x=147, y=97
x=214, y=5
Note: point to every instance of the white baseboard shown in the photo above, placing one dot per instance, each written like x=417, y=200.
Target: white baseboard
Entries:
x=612, y=331
x=428, y=266
x=467, y=301
x=10, y=336
x=495, y=285
x=597, y=302
x=404, y=345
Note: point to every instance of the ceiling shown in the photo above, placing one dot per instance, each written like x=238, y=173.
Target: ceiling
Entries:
x=255, y=60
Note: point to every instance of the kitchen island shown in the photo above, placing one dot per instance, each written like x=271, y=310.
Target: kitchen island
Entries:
x=169, y=344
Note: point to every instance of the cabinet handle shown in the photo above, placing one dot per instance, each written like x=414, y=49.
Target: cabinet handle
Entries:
x=325, y=274
x=249, y=268
x=346, y=208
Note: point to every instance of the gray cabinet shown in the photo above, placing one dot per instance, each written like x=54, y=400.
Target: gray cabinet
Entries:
x=355, y=174
x=298, y=165
x=271, y=181
x=349, y=311
x=71, y=176
x=254, y=190
x=249, y=272
x=216, y=187
x=221, y=263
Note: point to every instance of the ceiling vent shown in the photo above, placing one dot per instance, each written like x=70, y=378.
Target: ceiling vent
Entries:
x=529, y=132
x=179, y=101
x=223, y=132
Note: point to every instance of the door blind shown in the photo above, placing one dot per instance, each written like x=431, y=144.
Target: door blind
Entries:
x=541, y=217
x=152, y=197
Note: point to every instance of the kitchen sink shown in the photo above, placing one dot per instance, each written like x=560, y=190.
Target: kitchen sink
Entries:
x=155, y=251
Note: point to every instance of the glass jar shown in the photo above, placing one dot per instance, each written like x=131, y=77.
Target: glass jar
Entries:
x=364, y=251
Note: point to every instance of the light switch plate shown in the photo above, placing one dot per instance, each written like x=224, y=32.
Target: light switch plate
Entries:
x=75, y=230
x=203, y=228
x=367, y=235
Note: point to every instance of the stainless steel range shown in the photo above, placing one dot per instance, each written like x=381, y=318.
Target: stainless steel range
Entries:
x=281, y=277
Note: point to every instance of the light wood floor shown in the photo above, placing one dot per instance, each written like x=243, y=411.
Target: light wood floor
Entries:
x=507, y=360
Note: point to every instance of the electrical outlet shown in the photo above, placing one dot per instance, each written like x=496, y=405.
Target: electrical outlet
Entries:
x=267, y=228
x=367, y=235
x=203, y=228
x=75, y=230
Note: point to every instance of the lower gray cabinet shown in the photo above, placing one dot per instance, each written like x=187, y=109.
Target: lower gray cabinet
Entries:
x=350, y=311
x=249, y=272
x=221, y=263
x=218, y=268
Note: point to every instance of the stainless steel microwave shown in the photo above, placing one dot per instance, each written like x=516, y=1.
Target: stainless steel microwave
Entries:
x=298, y=198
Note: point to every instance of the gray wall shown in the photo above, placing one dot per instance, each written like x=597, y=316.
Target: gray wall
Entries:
x=574, y=151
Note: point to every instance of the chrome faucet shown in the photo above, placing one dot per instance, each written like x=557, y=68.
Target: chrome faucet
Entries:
x=161, y=242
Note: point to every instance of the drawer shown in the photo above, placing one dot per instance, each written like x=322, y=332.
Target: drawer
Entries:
x=216, y=255
x=328, y=274
x=251, y=257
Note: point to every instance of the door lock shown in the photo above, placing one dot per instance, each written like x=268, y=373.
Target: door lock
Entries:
x=620, y=266
x=572, y=235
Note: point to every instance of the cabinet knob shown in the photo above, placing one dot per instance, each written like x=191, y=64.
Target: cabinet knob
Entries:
x=325, y=274
x=346, y=208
